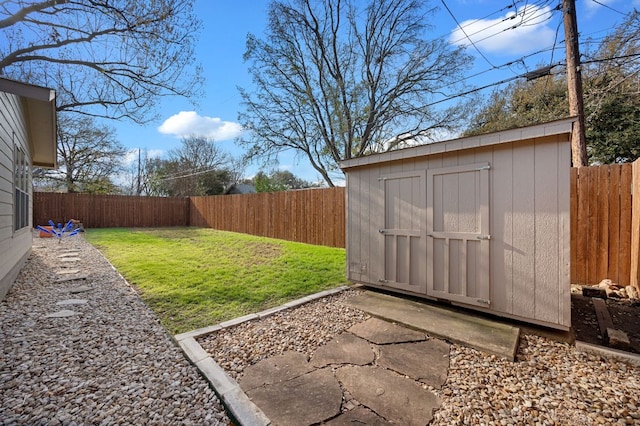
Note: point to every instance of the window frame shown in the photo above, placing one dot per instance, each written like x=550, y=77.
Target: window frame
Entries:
x=21, y=193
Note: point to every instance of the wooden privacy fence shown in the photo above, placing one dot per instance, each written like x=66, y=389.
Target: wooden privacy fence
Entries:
x=601, y=216
x=605, y=223
x=110, y=211
x=314, y=216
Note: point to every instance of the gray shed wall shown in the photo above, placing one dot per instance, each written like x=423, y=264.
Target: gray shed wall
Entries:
x=528, y=274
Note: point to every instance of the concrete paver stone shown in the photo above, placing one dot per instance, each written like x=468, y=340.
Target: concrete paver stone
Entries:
x=466, y=328
x=344, y=349
x=69, y=272
x=275, y=370
x=79, y=289
x=69, y=254
x=383, y=332
x=358, y=416
x=65, y=313
x=71, y=278
x=304, y=400
x=398, y=399
x=427, y=362
x=69, y=259
x=72, y=302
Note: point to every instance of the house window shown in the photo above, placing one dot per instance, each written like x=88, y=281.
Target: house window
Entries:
x=21, y=183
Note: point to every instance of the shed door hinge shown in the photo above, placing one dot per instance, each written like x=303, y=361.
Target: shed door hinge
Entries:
x=484, y=301
x=484, y=237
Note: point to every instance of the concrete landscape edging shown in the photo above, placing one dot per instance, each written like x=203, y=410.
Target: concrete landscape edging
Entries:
x=238, y=404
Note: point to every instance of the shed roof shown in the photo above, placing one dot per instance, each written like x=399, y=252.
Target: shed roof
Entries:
x=40, y=105
x=541, y=130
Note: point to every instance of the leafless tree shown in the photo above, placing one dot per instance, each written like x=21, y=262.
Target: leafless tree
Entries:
x=197, y=167
x=105, y=58
x=334, y=80
x=89, y=155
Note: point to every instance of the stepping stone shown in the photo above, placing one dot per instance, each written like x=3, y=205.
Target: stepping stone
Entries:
x=65, y=313
x=398, y=399
x=344, y=349
x=69, y=271
x=72, y=302
x=358, y=416
x=80, y=289
x=70, y=259
x=304, y=400
x=382, y=332
x=275, y=370
x=68, y=254
x=73, y=278
x=427, y=362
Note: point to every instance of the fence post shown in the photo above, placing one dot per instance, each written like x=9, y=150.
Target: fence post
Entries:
x=635, y=225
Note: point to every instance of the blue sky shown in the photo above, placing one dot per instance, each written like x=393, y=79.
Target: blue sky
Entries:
x=222, y=44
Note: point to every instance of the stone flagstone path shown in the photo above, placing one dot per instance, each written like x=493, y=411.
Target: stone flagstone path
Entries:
x=373, y=369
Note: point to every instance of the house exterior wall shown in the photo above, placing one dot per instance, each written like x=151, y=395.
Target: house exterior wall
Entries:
x=15, y=246
x=528, y=202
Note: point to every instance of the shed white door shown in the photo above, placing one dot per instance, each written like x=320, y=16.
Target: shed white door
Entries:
x=404, y=231
x=458, y=234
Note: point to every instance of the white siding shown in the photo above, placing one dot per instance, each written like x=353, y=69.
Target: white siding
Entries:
x=14, y=246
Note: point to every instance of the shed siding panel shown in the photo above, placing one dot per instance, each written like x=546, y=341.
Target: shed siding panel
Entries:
x=564, y=232
x=523, y=231
x=374, y=220
x=529, y=224
x=502, y=252
x=546, y=232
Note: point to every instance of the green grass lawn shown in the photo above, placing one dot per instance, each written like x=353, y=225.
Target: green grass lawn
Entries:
x=195, y=277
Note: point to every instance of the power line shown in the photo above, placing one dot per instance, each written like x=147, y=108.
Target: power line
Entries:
x=612, y=58
x=188, y=174
x=464, y=32
x=477, y=89
x=609, y=7
x=525, y=21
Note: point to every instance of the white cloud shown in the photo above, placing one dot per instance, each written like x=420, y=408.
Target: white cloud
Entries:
x=188, y=123
x=532, y=32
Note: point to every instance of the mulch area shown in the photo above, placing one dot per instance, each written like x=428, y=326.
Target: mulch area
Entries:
x=625, y=314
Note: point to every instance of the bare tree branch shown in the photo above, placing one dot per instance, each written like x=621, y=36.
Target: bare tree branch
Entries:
x=335, y=80
x=106, y=58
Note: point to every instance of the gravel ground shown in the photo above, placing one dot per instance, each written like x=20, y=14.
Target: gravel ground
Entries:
x=111, y=363
x=549, y=384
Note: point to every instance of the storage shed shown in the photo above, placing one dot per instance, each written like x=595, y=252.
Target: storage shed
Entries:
x=481, y=221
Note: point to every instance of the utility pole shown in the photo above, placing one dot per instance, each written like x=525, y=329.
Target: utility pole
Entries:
x=574, y=81
x=138, y=189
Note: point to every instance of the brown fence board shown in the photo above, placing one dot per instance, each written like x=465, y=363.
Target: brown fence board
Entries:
x=626, y=178
x=602, y=249
x=634, y=230
x=573, y=206
x=613, y=229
